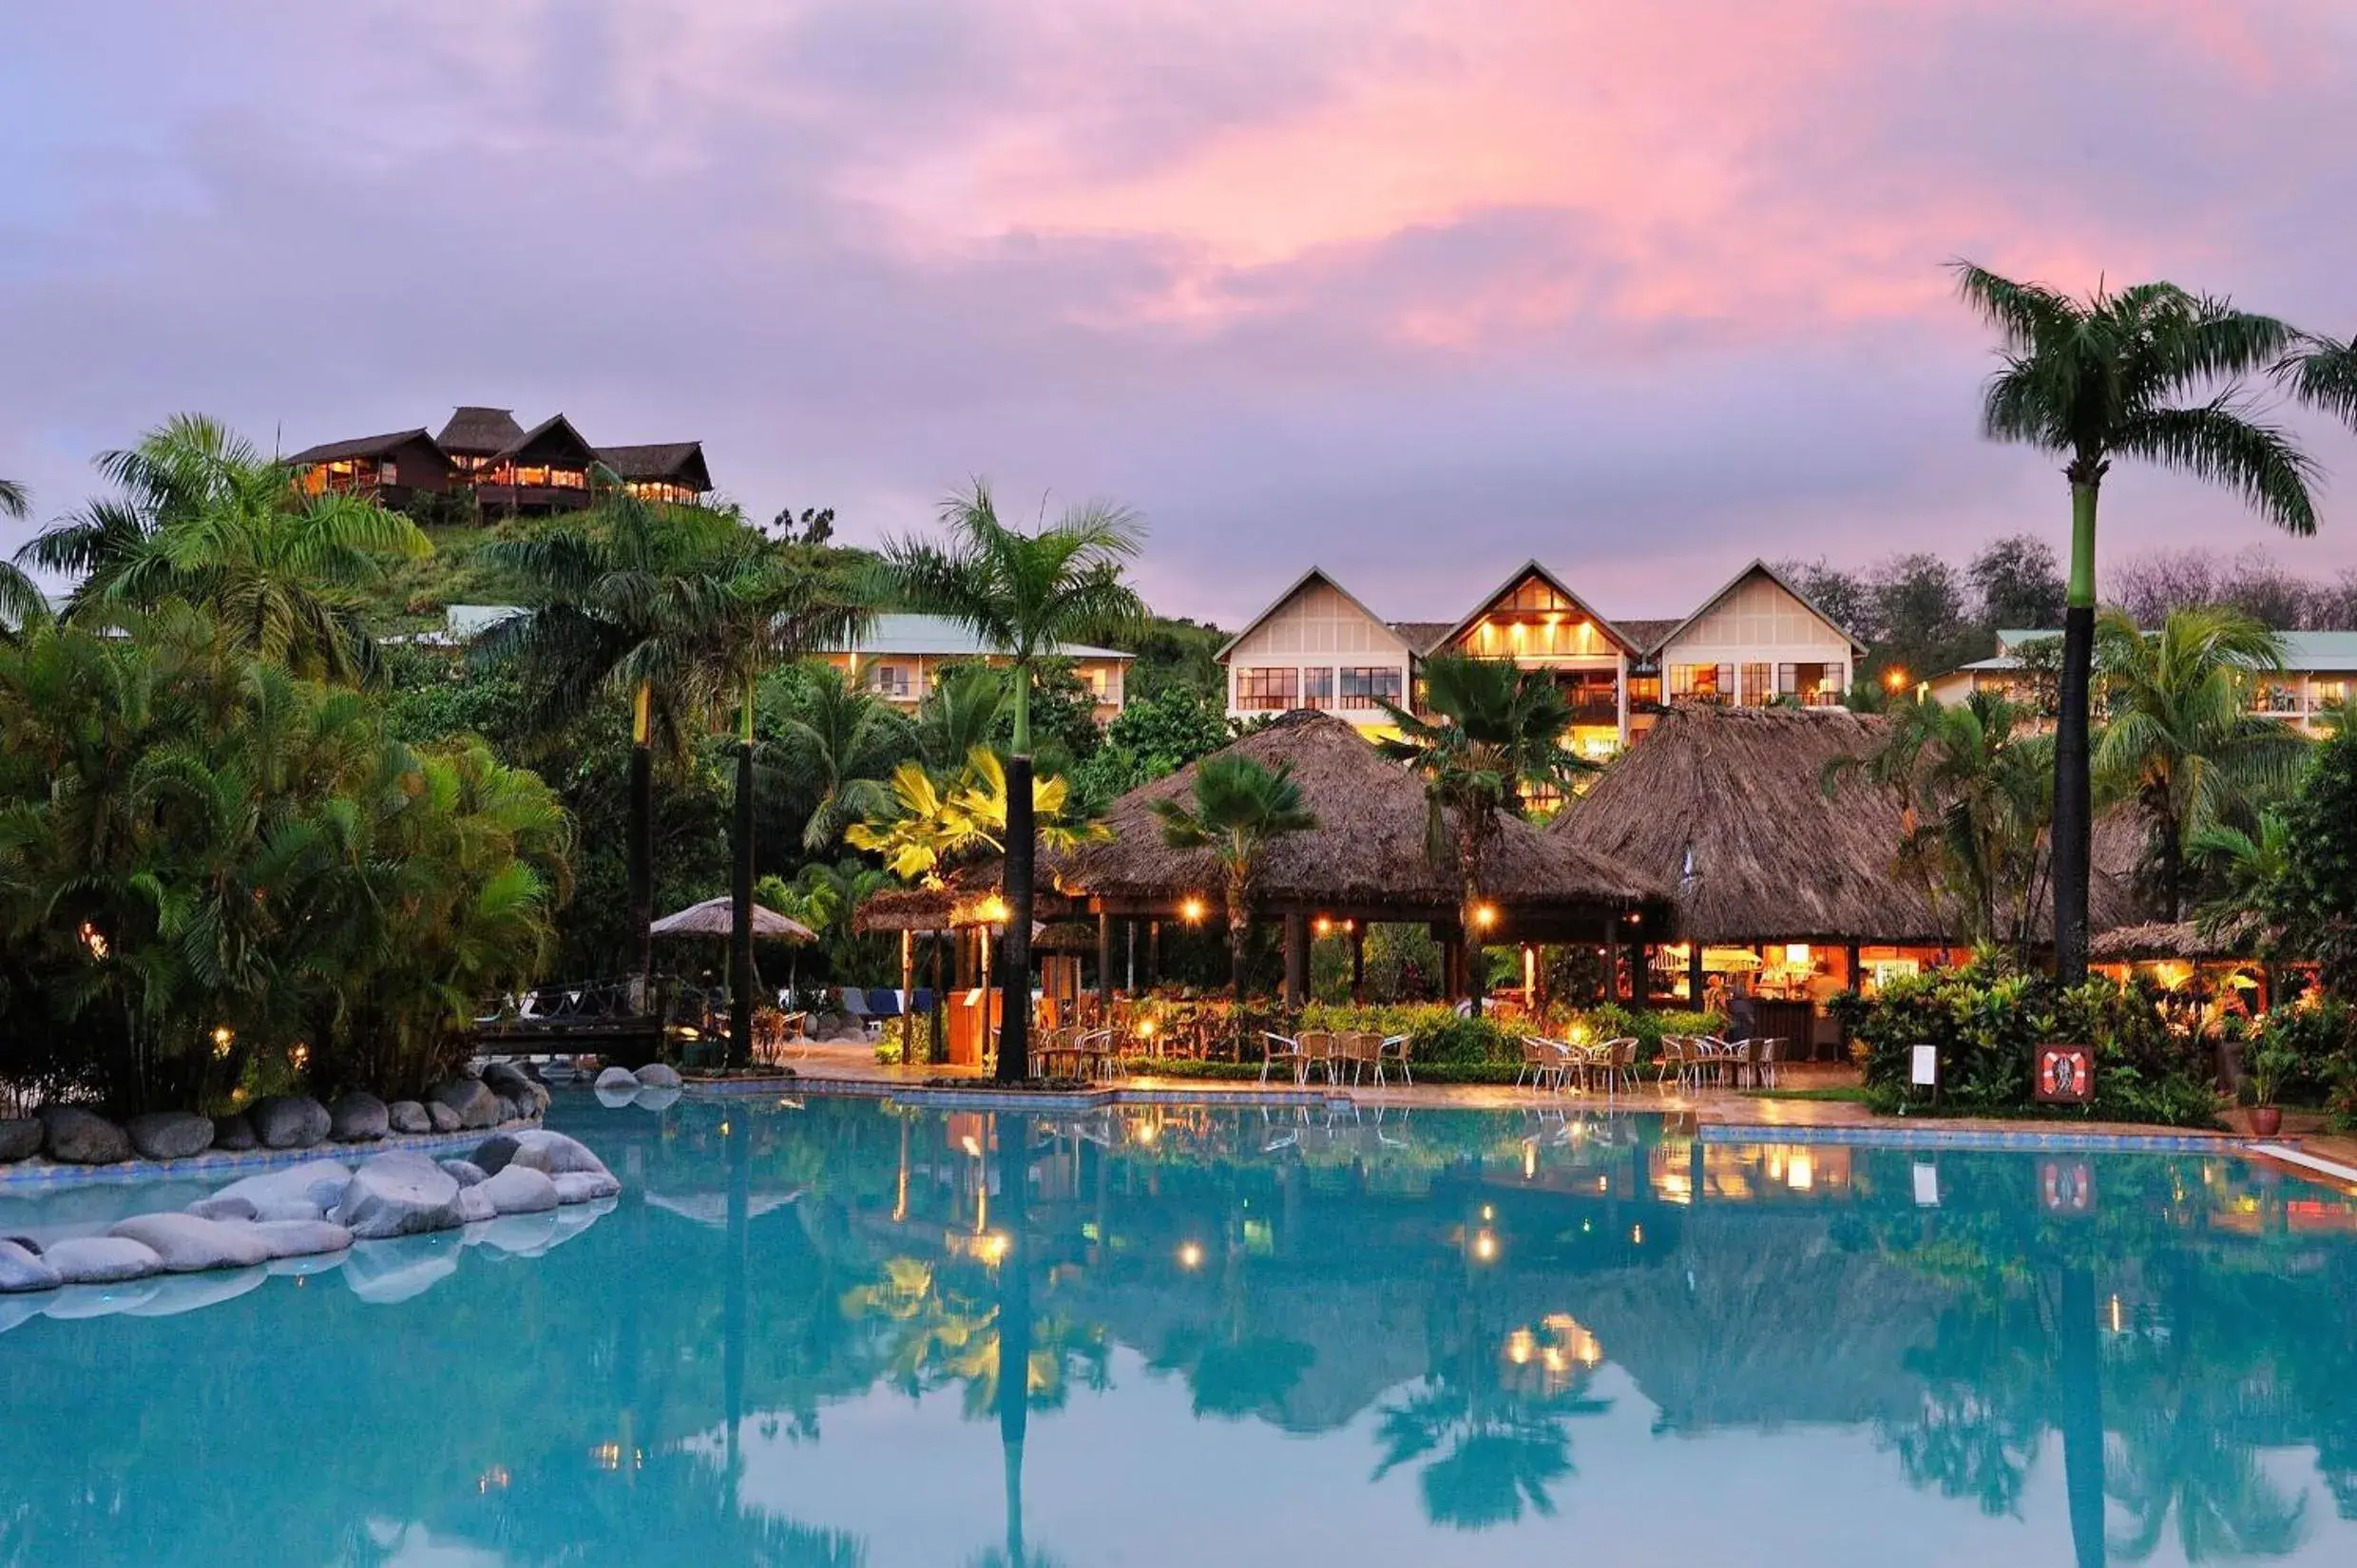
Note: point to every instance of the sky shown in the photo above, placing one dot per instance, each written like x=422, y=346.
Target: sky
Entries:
x=1410, y=291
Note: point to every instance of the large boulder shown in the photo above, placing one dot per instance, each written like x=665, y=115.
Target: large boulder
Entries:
x=170, y=1134
x=290, y=1122
x=229, y=1206
x=19, y=1140
x=188, y=1245
x=235, y=1133
x=657, y=1075
x=318, y=1183
x=617, y=1081
x=20, y=1271
x=102, y=1260
x=443, y=1119
x=520, y=1189
x=406, y=1116
x=301, y=1237
x=585, y=1186
x=507, y=1109
x=465, y=1172
x=477, y=1107
x=357, y=1118
x=552, y=1153
x=475, y=1208
x=398, y=1195
x=506, y=1080
x=77, y=1137
x=493, y=1155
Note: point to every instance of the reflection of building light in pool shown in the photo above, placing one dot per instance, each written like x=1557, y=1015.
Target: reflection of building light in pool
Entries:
x=2119, y=1318
x=1519, y=1346
x=1145, y=1133
x=1553, y=1359
x=992, y=1248
x=724, y=1129
x=1530, y=1159
x=494, y=1479
x=1636, y=1236
x=1800, y=1173
x=969, y=1144
x=1489, y=1214
x=1485, y=1247
x=1191, y=1255
x=607, y=1455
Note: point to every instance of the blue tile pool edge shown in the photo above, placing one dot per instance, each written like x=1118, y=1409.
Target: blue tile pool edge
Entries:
x=220, y=1162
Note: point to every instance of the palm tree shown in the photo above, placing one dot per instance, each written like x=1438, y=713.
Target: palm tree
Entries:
x=629, y=599
x=1240, y=808
x=22, y=602
x=2149, y=373
x=1974, y=782
x=2322, y=373
x=778, y=607
x=1024, y=595
x=1496, y=733
x=204, y=517
x=841, y=744
x=963, y=711
x=2180, y=736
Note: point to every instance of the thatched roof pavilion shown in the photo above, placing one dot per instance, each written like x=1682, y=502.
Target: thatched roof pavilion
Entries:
x=2180, y=940
x=1366, y=859
x=1729, y=805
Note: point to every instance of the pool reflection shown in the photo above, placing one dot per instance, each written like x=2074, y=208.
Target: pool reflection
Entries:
x=806, y=1321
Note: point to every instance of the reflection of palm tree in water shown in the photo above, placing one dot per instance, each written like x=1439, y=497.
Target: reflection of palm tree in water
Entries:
x=1506, y=1439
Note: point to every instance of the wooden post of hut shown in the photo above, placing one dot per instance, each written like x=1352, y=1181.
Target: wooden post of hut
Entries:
x=1358, y=961
x=1104, y=968
x=1694, y=974
x=1611, y=958
x=1640, y=972
x=1153, y=953
x=1296, y=960
x=908, y=997
x=938, y=1047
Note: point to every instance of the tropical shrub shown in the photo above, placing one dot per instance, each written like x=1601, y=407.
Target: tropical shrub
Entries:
x=2315, y=1045
x=1987, y=1021
x=207, y=863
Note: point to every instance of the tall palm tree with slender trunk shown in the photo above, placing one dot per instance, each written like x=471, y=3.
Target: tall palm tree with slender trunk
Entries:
x=2150, y=372
x=1023, y=595
x=627, y=598
x=1490, y=734
x=776, y=607
x=1239, y=808
x=2180, y=739
x=841, y=745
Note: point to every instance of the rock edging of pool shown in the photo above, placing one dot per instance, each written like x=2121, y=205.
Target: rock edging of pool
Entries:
x=76, y=1137
x=320, y=1208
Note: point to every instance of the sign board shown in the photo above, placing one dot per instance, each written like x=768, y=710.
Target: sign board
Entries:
x=2065, y=1075
x=1924, y=1069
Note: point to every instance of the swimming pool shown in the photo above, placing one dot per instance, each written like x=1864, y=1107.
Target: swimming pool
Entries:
x=1247, y=1337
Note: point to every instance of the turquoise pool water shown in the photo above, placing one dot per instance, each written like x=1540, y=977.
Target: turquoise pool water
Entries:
x=1245, y=1339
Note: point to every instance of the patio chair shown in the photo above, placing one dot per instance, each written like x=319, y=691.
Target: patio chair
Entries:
x=883, y=1007
x=1670, y=1062
x=1546, y=1062
x=1619, y=1062
x=1764, y=1062
x=1392, y=1050
x=1276, y=1048
x=1317, y=1051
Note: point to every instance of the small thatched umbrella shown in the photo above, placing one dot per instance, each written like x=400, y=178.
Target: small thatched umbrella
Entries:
x=717, y=917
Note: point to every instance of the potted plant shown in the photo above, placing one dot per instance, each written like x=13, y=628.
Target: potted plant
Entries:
x=2262, y=1078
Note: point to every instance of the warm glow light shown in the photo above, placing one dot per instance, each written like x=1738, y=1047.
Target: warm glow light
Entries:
x=1145, y=1028
x=299, y=1057
x=1324, y=926
x=2118, y=1322
x=1800, y=1171
x=994, y=911
x=1190, y=911
x=1191, y=1255
x=222, y=1035
x=496, y=1478
x=1796, y=954
x=92, y=940
x=970, y=1146
x=1486, y=916
x=1894, y=678
x=1636, y=1236
x=1485, y=1247
x=992, y=1248
x=724, y=1129
x=1147, y=1133
x=1530, y=1160
x=607, y=1456
x=1519, y=1346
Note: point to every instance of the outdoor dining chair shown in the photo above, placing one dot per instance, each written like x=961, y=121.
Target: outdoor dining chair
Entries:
x=1546, y=1062
x=1276, y=1048
x=1318, y=1052
x=1391, y=1050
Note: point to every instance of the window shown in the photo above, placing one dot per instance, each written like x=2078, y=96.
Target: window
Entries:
x=1364, y=686
x=1644, y=692
x=1759, y=687
x=1810, y=685
x=1267, y=688
x=388, y=473
x=1317, y=688
x=2331, y=694
x=1702, y=685
x=890, y=681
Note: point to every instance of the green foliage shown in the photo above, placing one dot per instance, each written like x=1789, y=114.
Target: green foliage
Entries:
x=1151, y=738
x=2314, y=901
x=2308, y=1050
x=1175, y=655
x=194, y=840
x=1986, y=1021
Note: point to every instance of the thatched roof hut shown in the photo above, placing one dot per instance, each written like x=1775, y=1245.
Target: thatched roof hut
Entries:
x=1729, y=805
x=1366, y=859
x=2179, y=940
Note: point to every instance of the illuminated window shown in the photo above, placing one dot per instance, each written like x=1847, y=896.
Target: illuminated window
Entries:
x=1268, y=688
x=1759, y=688
x=1702, y=685
x=890, y=681
x=1810, y=685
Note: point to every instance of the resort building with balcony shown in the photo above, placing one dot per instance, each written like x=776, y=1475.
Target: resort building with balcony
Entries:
x=902, y=658
x=1757, y=641
x=2319, y=675
x=510, y=471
